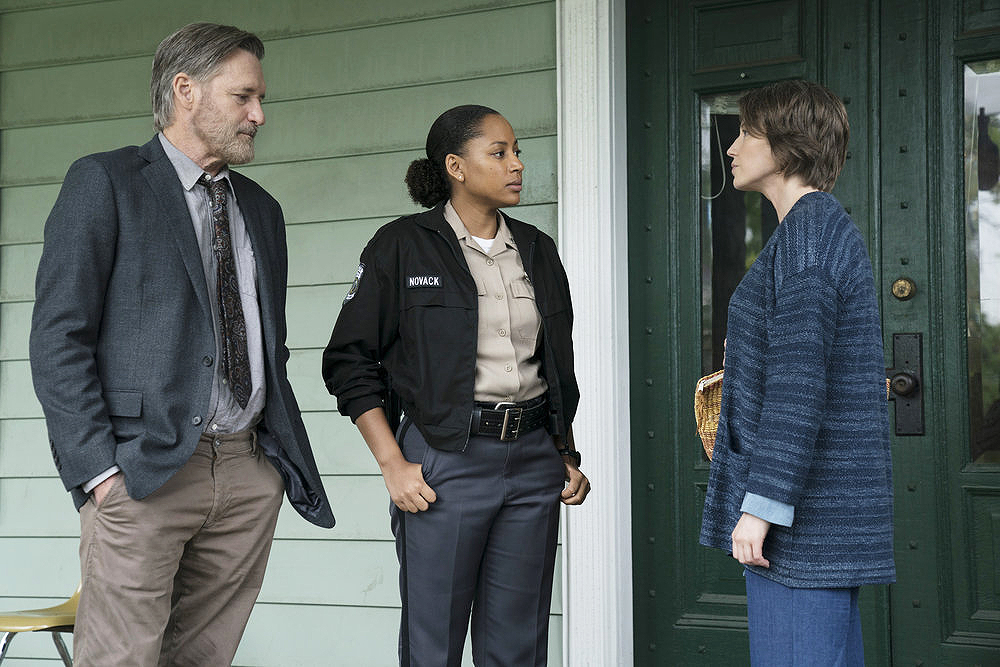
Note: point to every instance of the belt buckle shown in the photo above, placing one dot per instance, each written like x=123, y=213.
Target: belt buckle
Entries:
x=511, y=418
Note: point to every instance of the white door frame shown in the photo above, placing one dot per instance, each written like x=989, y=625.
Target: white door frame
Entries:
x=593, y=241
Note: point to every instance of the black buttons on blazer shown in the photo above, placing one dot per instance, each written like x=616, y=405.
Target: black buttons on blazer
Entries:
x=207, y=360
x=196, y=420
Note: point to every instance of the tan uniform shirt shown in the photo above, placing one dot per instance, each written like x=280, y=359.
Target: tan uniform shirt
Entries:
x=507, y=366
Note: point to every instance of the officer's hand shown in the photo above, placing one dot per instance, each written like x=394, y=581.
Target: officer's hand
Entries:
x=577, y=484
x=406, y=485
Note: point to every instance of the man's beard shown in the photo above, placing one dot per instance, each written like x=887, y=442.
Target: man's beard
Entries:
x=232, y=145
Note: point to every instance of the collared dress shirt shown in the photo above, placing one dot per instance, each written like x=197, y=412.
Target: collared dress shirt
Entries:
x=507, y=364
x=224, y=414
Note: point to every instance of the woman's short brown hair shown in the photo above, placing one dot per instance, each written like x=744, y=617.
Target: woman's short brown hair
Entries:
x=806, y=126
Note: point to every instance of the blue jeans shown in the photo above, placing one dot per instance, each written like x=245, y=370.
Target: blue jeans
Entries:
x=803, y=627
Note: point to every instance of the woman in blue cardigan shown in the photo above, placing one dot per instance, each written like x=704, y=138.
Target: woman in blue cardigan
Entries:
x=800, y=488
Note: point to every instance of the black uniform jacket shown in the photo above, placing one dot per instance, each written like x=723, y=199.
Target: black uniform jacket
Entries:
x=409, y=326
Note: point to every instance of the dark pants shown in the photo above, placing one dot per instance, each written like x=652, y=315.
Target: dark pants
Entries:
x=487, y=546
x=803, y=627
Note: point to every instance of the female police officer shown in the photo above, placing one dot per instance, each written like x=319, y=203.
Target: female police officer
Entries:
x=463, y=316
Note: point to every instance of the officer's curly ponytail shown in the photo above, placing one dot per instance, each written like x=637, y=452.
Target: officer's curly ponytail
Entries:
x=426, y=178
x=426, y=183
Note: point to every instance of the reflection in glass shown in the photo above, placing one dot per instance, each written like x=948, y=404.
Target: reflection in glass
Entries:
x=982, y=256
x=734, y=225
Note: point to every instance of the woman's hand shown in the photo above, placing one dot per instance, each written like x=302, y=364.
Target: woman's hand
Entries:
x=748, y=540
x=406, y=485
x=577, y=484
x=577, y=487
x=404, y=480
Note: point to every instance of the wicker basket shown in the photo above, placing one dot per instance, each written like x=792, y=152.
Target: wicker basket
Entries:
x=707, y=403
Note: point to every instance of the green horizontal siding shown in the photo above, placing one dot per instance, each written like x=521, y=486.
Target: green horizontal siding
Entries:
x=288, y=635
x=340, y=63
x=352, y=89
x=358, y=124
x=320, y=262
x=363, y=575
x=114, y=29
x=338, y=187
x=22, y=453
x=284, y=635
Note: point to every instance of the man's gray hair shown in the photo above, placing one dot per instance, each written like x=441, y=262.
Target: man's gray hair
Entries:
x=197, y=49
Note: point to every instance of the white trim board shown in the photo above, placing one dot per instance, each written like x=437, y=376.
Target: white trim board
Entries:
x=593, y=242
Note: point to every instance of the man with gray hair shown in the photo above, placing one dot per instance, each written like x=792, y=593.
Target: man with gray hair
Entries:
x=158, y=355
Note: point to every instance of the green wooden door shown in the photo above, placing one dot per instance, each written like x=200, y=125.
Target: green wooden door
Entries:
x=914, y=75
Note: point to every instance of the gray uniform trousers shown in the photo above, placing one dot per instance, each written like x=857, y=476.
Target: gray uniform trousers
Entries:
x=487, y=545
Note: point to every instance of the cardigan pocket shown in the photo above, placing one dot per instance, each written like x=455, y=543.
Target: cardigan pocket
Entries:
x=732, y=480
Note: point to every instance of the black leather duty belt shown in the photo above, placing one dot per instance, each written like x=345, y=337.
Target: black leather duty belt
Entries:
x=508, y=421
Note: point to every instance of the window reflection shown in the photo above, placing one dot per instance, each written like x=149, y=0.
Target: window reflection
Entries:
x=734, y=225
x=982, y=258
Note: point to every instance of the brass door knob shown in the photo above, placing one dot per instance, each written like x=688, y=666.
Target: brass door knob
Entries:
x=903, y=288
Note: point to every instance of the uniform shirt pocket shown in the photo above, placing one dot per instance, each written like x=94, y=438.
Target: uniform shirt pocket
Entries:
x=480, y=287
x=524, y=317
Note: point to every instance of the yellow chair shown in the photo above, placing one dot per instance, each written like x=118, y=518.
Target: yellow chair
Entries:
x=57, y=619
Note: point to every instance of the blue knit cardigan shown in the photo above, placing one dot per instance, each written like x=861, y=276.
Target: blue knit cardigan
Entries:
x=804, y=418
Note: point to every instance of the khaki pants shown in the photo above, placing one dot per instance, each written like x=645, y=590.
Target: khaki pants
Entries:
x=171, y=579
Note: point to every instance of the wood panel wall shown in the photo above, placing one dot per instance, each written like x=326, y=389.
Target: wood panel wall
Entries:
x=352, y=90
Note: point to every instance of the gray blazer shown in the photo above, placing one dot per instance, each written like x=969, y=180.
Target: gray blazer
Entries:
x=122, y=342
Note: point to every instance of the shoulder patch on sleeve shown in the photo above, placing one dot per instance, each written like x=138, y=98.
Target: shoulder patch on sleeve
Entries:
x=357, y=281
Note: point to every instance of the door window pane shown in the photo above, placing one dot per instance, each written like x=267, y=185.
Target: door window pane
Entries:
x=734, y=225
x=982, y=258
